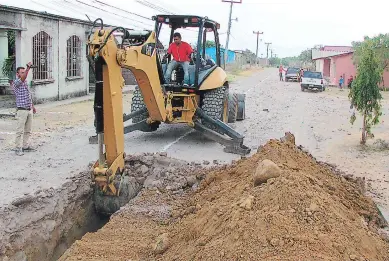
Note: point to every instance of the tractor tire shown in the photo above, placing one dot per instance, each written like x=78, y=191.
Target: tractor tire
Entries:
x=214, y=103
x=241, y=113
x=137, y=104
x=232, y=107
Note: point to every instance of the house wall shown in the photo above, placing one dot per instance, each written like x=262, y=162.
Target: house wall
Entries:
x=326, y=67
x=59, y=87
x=211, y=51
x=77, y=86
x=344, y=67
x=319, y=64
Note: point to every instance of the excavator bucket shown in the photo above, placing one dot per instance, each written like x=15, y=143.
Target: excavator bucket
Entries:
x=105, y=204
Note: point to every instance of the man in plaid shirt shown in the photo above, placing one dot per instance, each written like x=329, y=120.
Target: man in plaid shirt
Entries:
x=25, y=110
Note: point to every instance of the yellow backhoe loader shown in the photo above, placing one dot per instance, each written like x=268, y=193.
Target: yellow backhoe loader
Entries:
x=205, y=104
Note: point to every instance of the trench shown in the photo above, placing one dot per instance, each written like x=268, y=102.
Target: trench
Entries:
x=43, y=226
x=89, y=222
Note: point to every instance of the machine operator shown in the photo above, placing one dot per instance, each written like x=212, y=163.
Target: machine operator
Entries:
x=181, y=52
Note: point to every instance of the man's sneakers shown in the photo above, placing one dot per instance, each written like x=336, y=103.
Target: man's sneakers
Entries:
x=19, y=152
x=28, y=149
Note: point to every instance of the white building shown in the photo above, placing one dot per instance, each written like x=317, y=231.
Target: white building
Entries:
x=55, y=44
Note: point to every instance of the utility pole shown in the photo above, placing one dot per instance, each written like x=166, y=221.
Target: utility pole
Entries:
x=229, y=28
x=256, y=54
x=267, y=50
x=271, y=50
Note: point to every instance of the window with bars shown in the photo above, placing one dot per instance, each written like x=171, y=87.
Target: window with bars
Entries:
x=42, y=51
x=74, y=57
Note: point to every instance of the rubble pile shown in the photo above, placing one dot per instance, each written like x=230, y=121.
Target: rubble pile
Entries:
x=279, y=204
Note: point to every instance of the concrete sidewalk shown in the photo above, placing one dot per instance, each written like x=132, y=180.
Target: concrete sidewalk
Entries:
x=11, y=112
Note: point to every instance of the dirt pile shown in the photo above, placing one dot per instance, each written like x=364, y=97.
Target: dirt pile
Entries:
x=157, y=171
x=304, y=212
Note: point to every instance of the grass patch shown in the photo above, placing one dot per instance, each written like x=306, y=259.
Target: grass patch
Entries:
x=233, y=74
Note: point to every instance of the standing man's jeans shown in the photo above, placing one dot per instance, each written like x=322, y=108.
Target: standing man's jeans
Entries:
x=173, y=65
x=23, y=131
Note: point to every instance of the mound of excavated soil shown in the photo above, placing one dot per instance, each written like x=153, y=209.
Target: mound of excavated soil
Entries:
x=305, y=212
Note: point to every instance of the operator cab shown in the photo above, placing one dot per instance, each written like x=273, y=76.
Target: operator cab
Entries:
x=201, y=64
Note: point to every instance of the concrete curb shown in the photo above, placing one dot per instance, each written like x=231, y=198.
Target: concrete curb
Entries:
x=7, y=115
x=91, y=97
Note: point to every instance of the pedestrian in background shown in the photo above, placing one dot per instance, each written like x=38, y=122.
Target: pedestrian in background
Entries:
x=350, y=81
x=341, y=82
x=24, y=112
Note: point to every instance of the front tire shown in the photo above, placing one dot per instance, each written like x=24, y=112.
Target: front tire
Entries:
x=137, y=104
x=215, y=105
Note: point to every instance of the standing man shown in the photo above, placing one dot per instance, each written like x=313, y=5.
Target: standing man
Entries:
x=181, y=52
x=25, y=110
x=281, y=72
x=301, y=75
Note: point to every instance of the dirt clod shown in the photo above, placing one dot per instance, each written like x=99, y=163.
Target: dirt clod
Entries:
x=247, y=203
x=266, y=170
x=162, y=244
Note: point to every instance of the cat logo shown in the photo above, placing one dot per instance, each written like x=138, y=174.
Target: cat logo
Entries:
x=148, y=49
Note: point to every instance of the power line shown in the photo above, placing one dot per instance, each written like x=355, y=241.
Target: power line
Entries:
x=102, y=3
x=153, y=6
x=111, y=13
x=68, y=5
x=50, y=8
x=117, y=8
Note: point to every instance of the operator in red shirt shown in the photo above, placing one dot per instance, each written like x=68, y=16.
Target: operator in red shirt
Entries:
x=181, y=52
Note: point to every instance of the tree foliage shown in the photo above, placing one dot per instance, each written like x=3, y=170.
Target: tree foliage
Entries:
x=365, y=94
x=306, y=56
x=9, y=62
x=380, y=44
x=210, y=44
x=292, y=61
x=274, y=61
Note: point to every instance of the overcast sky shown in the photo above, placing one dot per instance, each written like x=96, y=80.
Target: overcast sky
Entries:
x=291, y=26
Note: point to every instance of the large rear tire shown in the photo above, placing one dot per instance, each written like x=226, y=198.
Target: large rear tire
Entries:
x=241, y=113
x=137, y=104
x=215, y=105
x=232, y=107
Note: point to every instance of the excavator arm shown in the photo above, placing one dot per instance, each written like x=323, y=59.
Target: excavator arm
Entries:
x=109, y=59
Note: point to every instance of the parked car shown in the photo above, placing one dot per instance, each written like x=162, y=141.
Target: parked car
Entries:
x=292, y=74
x=312, y=81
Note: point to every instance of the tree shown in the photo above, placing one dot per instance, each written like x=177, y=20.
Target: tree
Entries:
x=291, y=61
x=365, y=94
x=274, y=61
x=9, y=62
x=306, y=56
x=380, y=45
x=210, y=44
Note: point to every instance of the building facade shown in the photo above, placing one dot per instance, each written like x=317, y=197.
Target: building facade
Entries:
x=56, y=45
x=57, y=48
x=337, y=61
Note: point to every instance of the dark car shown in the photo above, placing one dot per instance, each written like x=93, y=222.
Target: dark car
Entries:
x=292, y=74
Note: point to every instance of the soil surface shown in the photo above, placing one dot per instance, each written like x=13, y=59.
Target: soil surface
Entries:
x=307, y=211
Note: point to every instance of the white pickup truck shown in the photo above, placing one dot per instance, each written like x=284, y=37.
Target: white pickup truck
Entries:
x=312, y=81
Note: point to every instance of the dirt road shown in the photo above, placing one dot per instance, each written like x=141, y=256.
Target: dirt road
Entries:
x=318, y=120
